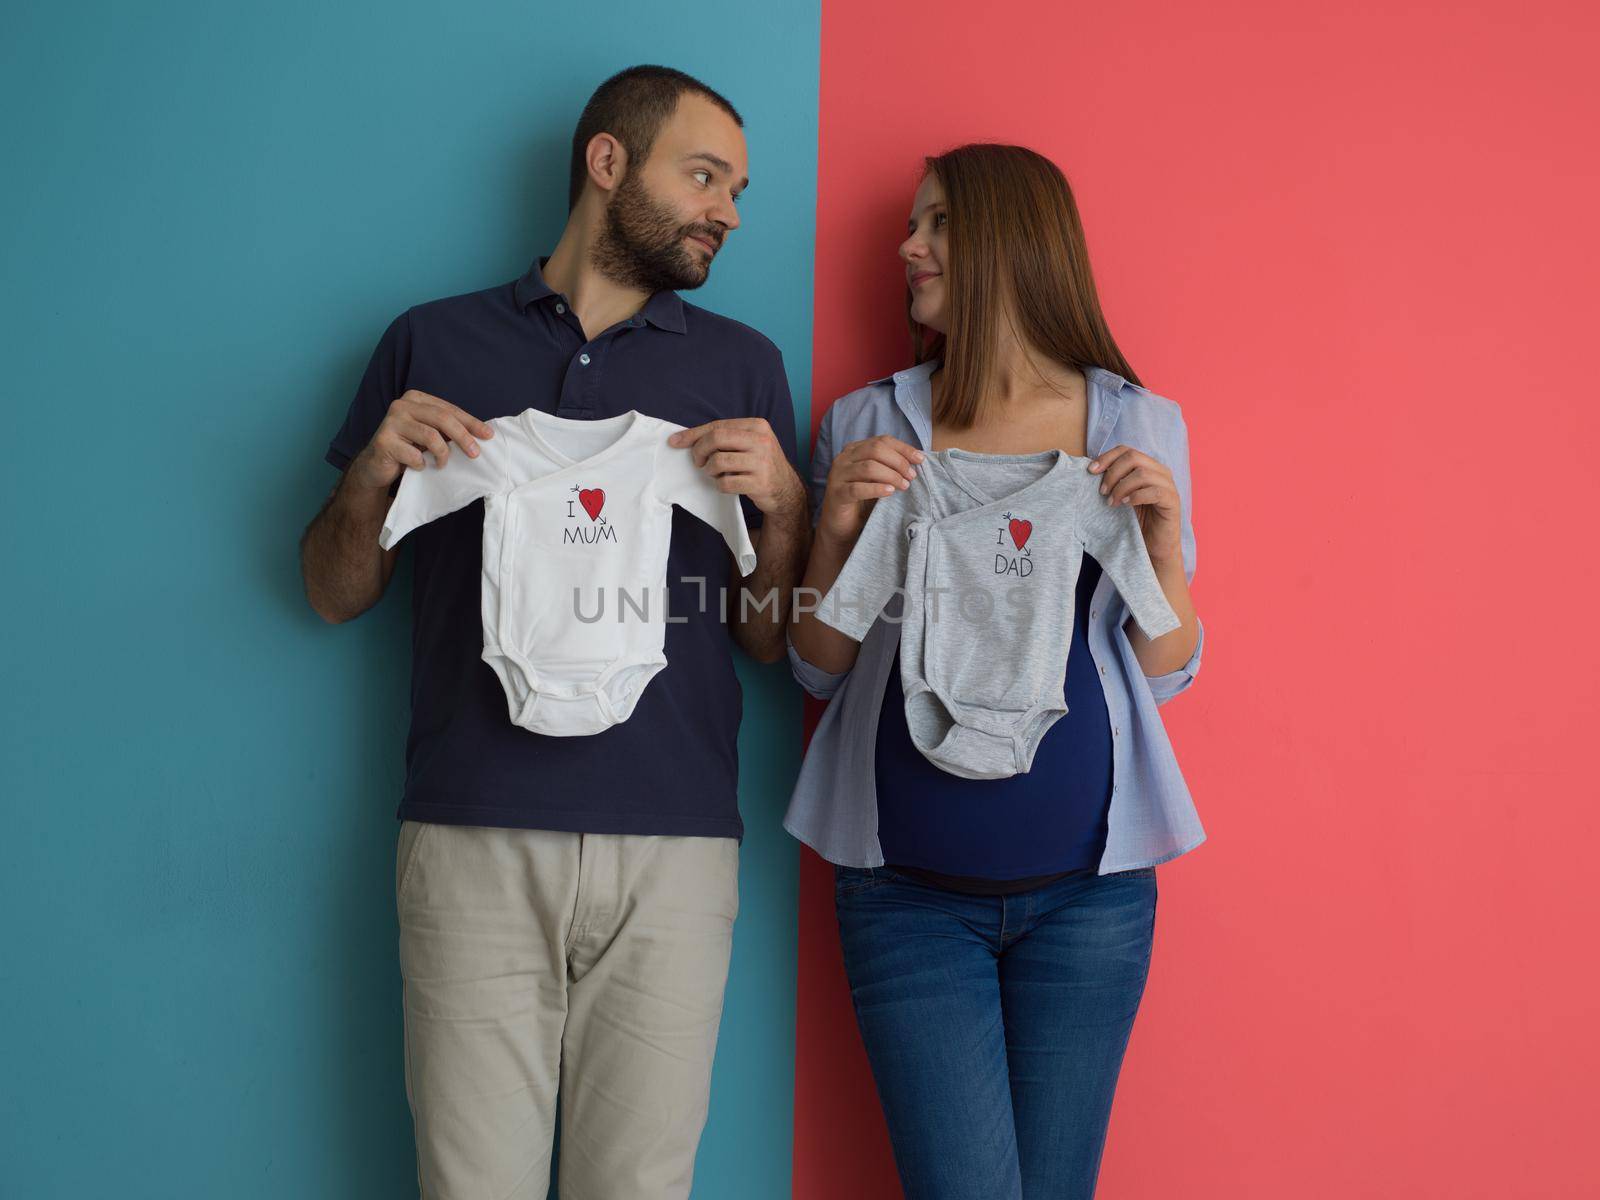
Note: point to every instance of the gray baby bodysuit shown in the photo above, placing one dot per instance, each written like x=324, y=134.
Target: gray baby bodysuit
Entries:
x=987, y=550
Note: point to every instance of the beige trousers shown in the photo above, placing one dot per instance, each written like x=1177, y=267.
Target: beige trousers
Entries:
x=538, y=963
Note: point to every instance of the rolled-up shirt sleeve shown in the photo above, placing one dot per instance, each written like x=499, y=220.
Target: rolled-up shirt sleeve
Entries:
x=817, y=682
x=1165, y=687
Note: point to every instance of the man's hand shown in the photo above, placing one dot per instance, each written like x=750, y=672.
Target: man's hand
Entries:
x=414, y=423
x=745, y=457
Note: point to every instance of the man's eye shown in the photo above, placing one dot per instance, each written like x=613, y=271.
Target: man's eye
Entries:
x=738, y=196
x=706, y=180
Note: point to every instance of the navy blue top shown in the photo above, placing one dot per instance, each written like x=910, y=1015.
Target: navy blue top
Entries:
x=1050, y=820
x=671, y=768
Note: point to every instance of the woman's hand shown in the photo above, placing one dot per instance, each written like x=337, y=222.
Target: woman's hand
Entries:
x=862, y=472
x=1132, y=477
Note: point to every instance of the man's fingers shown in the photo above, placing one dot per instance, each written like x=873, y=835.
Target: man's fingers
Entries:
x=425, y=436
x=722, y=439
x=447, y=423
x=685, y=437
x=439, y=412
x=747, y=427
x=721, y=462
x=478, y=428
x=405, y=454
x=425, y=403
x=443, y=418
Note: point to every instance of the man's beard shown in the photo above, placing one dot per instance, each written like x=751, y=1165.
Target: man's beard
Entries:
x=641, y=244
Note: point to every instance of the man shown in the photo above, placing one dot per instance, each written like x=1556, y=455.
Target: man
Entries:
x=566, y=903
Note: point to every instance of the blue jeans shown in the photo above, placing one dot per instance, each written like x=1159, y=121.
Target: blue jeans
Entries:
x=996, y=1025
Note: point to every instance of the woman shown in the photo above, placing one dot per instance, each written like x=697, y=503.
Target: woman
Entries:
x=997, y=932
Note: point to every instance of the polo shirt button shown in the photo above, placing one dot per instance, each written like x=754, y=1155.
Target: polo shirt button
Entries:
x=561, y=308
x=584, y=359
x=1116, y=730
x=1094, y=612
x=1102, y=670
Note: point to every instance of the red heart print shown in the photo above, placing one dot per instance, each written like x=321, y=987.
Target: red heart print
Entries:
x=593, y=500
x=1020, y=531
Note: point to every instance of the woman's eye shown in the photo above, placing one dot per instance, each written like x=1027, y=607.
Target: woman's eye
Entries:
x=938, y=220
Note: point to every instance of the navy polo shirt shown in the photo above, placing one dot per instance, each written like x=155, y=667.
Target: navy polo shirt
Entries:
x=672, y=767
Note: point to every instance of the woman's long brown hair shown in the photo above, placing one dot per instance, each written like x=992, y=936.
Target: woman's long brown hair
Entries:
x=1015, y=241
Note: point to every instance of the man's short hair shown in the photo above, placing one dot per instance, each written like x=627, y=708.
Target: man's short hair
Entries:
x=631, y=106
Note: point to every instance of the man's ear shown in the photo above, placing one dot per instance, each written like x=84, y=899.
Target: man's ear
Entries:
x=607, y=160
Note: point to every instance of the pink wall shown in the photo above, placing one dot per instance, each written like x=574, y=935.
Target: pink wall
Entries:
x=1358, y=246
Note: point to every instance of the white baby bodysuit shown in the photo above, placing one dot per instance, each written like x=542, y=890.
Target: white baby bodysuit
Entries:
x=577, y=522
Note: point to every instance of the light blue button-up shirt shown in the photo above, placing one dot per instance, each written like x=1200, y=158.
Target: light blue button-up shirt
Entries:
x=834, y=808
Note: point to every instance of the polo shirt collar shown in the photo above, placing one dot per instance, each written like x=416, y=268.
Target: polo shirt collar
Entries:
x=664, y=310
x=532, y=286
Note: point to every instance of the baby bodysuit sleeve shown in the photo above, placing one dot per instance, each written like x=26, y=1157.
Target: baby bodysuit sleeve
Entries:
x=1111, y=534
x=676, y=480
x=876, y=566
x=431, y=491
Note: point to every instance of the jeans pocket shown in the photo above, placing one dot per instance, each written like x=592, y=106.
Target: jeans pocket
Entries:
x=847, y=881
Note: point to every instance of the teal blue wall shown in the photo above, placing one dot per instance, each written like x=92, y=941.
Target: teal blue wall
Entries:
x=209, y=216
